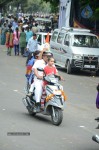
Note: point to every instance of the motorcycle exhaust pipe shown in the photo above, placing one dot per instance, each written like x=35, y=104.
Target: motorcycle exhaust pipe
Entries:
x=95, y=138
x=24, y=101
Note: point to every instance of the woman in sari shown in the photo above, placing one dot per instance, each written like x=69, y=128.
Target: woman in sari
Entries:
x=3, y=34
x=9, y=41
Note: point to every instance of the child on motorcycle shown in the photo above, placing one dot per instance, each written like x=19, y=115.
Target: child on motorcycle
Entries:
x=50, y=68
x=29, y=64
x=30, y=61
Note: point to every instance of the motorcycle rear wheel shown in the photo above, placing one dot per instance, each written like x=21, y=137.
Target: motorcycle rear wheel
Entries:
x=31, y=112
x=57, y=119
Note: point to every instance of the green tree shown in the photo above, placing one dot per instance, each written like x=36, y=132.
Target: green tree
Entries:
x=28, y=5
x=54, y=5
x=37, y=6
x=4, y=2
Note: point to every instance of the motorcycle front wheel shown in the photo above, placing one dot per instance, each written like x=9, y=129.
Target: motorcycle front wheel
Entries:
x=56, y=116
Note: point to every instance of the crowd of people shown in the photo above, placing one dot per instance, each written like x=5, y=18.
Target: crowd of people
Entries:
x=23, y=38
x=19, y=34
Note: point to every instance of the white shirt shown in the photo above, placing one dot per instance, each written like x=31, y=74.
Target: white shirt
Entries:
x=32, y=45
x=40, y=64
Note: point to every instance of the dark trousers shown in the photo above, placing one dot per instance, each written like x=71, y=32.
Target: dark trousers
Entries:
x=22, y=50
x=16, y=49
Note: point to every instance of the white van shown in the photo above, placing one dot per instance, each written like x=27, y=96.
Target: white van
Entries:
x=75, y=48
x=41, y=38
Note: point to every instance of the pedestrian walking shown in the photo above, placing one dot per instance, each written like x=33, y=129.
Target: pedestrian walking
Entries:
x=14, y=24
x=29, y=34
x=3, y=33
x=32, y=45
x=9, y=41
x=16, y=36
x=22, y=41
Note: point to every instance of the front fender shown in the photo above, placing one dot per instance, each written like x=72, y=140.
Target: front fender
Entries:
x=55, y=104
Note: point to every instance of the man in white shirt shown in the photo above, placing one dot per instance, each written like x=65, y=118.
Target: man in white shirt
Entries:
x=38, y=82
x=32, y=44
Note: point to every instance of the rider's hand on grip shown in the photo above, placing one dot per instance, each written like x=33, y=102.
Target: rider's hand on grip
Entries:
x=40, y=77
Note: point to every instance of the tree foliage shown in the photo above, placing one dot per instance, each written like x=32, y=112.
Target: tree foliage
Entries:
x=37, y=6
x=52, y=1
x=54, y=5
x=3, y=2
x=28, y=5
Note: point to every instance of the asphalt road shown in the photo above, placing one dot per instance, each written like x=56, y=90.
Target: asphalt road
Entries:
x=78, y=124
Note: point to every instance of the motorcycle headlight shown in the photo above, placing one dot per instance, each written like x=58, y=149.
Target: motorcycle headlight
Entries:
x=57, y=92
x=75, y=56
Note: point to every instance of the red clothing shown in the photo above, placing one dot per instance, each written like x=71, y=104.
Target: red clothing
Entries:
x=28, y=70
x=9, y=40
x=49, y=70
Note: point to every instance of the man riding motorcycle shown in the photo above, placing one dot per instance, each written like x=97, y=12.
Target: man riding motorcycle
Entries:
x=38, y=82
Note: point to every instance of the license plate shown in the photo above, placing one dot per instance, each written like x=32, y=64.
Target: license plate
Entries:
x=89, y=66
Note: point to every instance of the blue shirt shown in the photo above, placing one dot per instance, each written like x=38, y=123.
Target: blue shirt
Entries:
x=14, y=25
x=31, y=62
x=29, y=34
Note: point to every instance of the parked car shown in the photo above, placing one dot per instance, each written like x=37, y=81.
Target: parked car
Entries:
x=41, y=37
x=75, y=48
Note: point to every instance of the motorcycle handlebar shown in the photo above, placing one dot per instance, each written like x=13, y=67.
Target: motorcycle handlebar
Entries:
x=56, y=76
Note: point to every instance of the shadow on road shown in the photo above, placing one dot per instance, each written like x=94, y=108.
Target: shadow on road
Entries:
x=79, y=72
x=38, y=117
x=24, y=115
